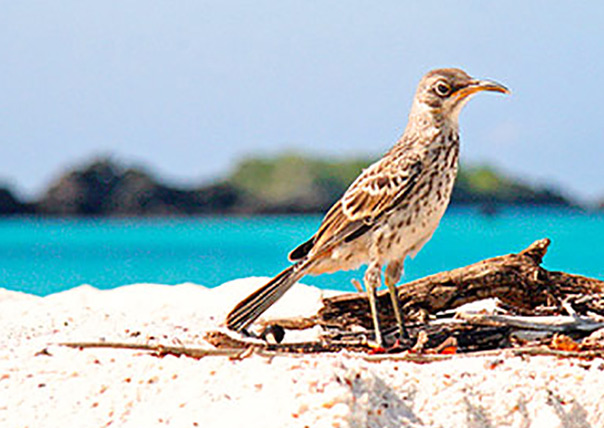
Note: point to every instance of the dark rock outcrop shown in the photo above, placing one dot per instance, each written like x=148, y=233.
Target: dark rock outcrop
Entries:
x=11, y=205
x=105, y=188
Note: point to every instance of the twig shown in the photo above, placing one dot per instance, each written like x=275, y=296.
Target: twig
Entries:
x=161, y=350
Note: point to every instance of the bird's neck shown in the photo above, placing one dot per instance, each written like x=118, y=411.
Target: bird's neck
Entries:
x=430, y=122
x=424, y=116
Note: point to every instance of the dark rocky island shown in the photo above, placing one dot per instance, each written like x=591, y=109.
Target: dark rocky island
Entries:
x=287, y=184
x=105, y=188
x=11, y=205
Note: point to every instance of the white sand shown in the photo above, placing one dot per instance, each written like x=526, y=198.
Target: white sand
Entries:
x=121, y=388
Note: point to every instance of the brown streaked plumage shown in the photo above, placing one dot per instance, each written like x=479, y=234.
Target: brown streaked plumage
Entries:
x=392, y=209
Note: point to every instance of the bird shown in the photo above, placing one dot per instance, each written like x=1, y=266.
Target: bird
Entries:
x=391, y=209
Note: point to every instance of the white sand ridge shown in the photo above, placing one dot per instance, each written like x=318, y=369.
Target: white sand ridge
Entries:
x=66, y=387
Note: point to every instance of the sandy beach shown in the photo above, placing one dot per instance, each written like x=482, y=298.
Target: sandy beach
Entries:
x=46, y=385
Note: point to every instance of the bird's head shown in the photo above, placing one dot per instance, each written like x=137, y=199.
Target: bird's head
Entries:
x=442, y=93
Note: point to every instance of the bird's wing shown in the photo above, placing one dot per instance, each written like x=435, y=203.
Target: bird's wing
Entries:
x=381, y=187
x=378, y=190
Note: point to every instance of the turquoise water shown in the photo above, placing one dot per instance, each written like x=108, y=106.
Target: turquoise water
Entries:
x=46, y=256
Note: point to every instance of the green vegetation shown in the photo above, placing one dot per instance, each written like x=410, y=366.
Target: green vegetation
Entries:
x=309, y=184
x=484, y=184
x=302, y=183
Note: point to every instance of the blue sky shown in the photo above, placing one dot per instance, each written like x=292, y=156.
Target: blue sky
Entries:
x=189, y=88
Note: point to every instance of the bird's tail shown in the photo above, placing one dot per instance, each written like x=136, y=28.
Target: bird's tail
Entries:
x=254, y=305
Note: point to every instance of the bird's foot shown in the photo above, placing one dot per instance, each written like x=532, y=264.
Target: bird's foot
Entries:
x=375, y=348
x=393, y=342
x=400, y=345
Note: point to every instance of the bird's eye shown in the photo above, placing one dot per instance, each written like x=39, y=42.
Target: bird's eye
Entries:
x=442, y=89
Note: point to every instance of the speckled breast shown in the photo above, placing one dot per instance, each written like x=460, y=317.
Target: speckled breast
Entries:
x=407, y=229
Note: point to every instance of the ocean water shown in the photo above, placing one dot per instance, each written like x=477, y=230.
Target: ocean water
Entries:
x=43, y=256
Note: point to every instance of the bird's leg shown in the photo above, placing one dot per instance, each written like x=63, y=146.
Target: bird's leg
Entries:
x=372, y=281
x=393, y=273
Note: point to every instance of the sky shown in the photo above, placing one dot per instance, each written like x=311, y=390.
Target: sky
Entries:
x=189, y=88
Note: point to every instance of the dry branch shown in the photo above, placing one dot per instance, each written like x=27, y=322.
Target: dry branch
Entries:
x=517, y=280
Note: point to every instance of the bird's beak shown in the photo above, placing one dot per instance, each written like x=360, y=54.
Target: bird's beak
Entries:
x=480, y=85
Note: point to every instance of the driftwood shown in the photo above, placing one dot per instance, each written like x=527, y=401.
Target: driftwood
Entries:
x=518, y=280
